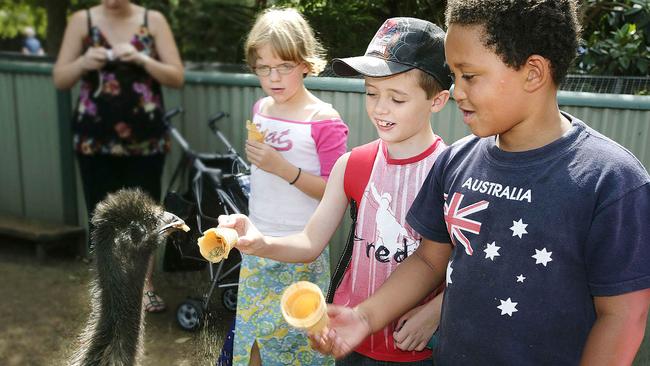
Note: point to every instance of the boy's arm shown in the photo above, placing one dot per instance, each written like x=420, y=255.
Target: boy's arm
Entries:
x=305, y=246
x=415, y=278
x=619, y=329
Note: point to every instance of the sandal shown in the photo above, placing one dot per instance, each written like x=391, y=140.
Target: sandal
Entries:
x=153, y=303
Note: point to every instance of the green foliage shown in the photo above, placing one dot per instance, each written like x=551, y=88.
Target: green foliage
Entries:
x=16, y=15
x=623, y=53
x=616, y=33
x=618, y=38
x=209, y=30
x=345, y=27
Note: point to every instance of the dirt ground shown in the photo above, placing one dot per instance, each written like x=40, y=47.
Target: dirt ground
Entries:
x=45, y=305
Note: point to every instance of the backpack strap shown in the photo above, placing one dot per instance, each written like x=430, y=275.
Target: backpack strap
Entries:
x=358, y=169
x=355, y=179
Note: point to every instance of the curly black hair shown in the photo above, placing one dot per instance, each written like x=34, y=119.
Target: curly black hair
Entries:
x=517, y=29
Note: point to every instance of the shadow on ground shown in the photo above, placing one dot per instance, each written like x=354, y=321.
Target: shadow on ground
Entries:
x=45, y=305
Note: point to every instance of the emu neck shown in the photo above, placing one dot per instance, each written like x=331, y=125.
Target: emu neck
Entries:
x=118, y=329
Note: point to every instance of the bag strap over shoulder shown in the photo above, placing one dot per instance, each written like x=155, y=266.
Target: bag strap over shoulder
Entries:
x=355, y=180
x=358, y=170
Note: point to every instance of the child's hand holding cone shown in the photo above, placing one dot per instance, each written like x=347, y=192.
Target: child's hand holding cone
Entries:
x=250, y=240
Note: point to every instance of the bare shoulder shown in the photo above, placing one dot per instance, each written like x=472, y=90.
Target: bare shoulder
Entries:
x=327, y=112
x=156, y=19
x=341, y=163
x=78, y=24
x=78, y=19
x=263, y=104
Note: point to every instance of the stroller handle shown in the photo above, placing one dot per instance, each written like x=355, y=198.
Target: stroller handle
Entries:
x=172, y=113
x=174, y=132
x=212, y=123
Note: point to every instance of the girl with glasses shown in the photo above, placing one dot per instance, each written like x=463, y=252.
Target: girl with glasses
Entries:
x=304, y=136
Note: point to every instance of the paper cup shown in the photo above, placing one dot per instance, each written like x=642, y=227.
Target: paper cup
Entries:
x=216, y=243
x=303, y=307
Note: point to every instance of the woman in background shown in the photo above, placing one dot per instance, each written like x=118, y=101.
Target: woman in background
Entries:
x=122, y=53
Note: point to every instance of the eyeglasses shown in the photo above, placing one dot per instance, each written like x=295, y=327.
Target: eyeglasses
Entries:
x=282, y=69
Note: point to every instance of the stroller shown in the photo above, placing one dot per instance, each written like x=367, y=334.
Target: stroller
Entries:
x=210, y=184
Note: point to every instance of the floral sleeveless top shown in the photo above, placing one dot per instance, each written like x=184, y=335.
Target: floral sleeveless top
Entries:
x=120, y=107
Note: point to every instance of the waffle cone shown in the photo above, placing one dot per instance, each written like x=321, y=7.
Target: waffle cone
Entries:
x=303, y=307
x=216, y=243
x=254, y=133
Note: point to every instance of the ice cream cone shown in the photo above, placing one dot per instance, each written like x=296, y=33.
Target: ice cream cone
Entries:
x=254, y=133
x=216, y=243
x=303, y=307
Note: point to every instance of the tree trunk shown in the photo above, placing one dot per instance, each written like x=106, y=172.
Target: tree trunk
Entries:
x=57, y=18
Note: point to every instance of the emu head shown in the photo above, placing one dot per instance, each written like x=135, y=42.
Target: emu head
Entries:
x=128, y=226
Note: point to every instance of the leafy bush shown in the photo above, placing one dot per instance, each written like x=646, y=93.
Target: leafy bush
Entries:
x=14, y=17
x=345, y=27
x=618, y=41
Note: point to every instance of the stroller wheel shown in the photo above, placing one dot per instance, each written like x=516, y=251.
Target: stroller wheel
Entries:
x=190, y=315
x=229, y=298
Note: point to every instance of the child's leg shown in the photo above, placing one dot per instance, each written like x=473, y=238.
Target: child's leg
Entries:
x=255, y=359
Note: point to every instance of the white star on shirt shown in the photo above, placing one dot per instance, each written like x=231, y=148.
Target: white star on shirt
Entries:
x=492, y=250
x=521, y=278
x=542, y=256
x=518, y=228
x=449, y=270
x=507, y=307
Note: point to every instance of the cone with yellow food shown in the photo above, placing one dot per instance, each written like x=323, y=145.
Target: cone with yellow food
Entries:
x=216, y=243
x=254, y=133
x=303, y=307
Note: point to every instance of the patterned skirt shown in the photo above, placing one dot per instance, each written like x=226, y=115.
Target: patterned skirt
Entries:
x=261, y=283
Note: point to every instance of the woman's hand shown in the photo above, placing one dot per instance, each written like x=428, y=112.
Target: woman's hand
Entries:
x=416, y=327
x=250, y=239
x=127, y=53
x=268, y=159
x=94, y=59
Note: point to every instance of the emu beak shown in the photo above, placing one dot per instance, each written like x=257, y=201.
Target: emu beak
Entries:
x=171, y=222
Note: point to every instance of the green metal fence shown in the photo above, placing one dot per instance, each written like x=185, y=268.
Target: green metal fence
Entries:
x=39, y=178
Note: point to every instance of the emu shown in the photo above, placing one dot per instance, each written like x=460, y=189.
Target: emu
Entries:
x=128, y=226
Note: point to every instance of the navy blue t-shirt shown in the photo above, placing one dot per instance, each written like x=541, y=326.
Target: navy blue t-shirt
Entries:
x=536, y=235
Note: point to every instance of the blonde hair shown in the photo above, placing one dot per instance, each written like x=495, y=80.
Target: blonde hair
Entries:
x=290, y=36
